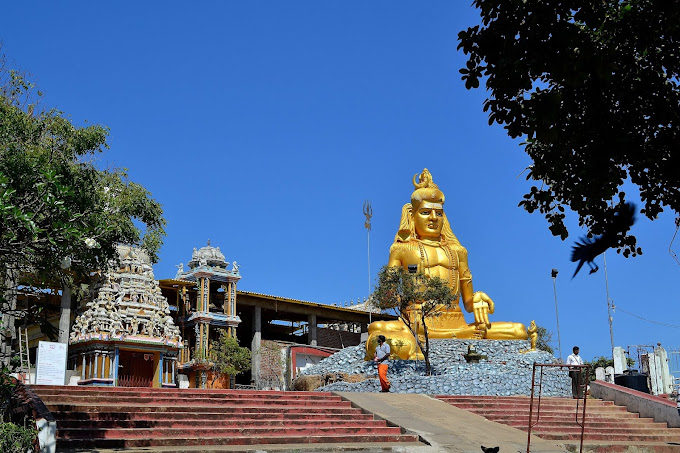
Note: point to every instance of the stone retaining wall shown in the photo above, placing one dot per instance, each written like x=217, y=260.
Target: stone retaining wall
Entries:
x=656, y=407
x=505, y=371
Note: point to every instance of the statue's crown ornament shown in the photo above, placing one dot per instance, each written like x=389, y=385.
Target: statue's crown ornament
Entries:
x=424, y=180
x=426, y=189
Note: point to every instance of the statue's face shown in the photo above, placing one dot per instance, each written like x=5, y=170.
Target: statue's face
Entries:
x=428, y=220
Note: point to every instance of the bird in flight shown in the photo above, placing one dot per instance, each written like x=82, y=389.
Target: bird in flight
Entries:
x=588, y=249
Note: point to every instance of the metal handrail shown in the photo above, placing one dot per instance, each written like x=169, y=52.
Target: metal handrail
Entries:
x=583, y=384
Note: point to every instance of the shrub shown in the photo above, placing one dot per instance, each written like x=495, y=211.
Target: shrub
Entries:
x=16, y=439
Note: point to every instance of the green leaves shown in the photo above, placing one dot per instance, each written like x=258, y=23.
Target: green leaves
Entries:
x=54, y=201
x=228, y=357
x=16, y=439
x=399, y=291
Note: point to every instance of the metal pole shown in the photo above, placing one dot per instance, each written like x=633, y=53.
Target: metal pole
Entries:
x=368, y=304
x=557, y=316
x=368, y=213
x=610, y=305
x=531, y=408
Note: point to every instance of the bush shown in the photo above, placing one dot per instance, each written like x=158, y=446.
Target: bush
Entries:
x=16, y=439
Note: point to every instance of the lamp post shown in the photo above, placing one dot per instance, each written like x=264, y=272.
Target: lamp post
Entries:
x=557, y=316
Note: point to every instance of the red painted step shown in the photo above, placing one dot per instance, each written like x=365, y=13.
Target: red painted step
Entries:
x=235, y=440
x=141, y=417
x=557, y=419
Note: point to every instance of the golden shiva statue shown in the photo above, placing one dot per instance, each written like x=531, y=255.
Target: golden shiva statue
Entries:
x=426, y=244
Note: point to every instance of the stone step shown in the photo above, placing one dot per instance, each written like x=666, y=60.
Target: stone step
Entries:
x=570, y=403
x=492, y=411
x=179, y=394
x=376, y=437
x=525, y=408
x=526, y=402
x=139, y=418
x=142, y=390
x=262, y=408
x=78, y=417
x=524, y=399
x=605, y=422
x=613, y=446
x=648, y=437
x=519, y=398
x=243, y=422
x=262, y=431
x=611, y=430
x=199, y=402
x=646, y=423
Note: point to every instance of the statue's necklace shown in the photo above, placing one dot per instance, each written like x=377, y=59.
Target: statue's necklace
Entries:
x=452, y=258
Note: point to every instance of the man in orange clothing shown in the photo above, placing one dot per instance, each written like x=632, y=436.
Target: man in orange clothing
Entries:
x=382, y=358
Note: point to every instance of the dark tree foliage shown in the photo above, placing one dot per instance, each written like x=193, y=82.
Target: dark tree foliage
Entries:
x=592, y=87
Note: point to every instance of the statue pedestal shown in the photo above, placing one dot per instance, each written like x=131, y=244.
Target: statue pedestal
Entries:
x=504, y=371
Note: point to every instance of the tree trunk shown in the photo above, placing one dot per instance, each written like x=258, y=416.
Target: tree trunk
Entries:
x=65, y=314
x=413, y=328
x=426, y=350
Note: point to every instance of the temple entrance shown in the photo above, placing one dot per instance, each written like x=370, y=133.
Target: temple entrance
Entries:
x=135, y=369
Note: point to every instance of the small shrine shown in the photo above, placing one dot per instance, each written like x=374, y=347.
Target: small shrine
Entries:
x=207, y=303
x=126, y=336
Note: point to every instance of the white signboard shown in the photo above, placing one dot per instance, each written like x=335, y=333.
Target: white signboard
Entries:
x=51, y=367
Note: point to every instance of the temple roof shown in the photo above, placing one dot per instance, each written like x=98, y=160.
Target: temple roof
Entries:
x=212, y=256
x=208, y=262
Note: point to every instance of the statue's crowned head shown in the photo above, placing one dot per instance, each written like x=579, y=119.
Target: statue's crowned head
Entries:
x=426, y=190
x=424, y=217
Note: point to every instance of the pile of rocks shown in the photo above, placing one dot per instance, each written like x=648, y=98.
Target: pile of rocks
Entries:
x=505, y=370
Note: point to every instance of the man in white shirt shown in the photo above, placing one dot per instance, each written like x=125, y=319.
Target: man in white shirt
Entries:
x=382, y=358
x=575, y=373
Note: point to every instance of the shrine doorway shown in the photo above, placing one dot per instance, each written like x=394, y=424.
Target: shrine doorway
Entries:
x=135, y=369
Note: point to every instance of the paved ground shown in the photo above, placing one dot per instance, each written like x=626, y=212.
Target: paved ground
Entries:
x=442, y=427
x=447, y=428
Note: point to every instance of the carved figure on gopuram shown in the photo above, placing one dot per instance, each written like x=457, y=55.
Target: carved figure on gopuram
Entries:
x=426, y=243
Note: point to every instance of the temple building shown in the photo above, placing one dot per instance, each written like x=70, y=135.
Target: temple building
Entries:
x=283, y=334
x=205, y=296
x=135, y=331
x=126, y=336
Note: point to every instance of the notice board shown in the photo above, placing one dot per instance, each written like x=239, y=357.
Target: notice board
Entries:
x=51, y=367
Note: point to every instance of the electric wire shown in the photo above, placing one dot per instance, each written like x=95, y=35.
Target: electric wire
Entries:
x=670, y=246
x=674, y=326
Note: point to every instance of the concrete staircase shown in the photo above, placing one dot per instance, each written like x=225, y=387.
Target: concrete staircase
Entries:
x=608, y=427
x=110, y=417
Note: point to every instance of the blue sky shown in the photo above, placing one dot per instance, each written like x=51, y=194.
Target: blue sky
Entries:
x=263, y=126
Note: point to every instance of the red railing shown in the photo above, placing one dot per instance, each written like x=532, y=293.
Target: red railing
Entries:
x=583, y=385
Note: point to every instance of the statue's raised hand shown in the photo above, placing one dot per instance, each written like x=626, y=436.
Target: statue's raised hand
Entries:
x=482, y=305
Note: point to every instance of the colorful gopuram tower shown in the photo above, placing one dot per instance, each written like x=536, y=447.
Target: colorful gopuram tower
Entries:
x=206, y=310
x=126, y=336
